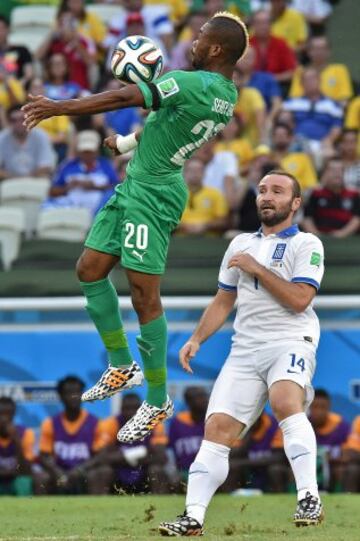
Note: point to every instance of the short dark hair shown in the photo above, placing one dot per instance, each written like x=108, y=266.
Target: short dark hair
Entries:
x=232, y=35
x=346, y=131
x=296, y=188
x=321, y=393
x=4, y=20
x=7, y=401
x=69, y=379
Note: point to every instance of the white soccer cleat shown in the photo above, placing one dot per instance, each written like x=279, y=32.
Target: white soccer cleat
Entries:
x=144, y=421
x=309, y=511
x=114, y=380
x=183, y=526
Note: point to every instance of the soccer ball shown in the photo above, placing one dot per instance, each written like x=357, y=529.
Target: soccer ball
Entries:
x=135, y=59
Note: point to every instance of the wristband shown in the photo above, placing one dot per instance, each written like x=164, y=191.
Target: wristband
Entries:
x=127, y=143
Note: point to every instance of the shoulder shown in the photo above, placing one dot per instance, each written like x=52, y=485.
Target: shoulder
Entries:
x=241, y=240
x=302, y=240
x=331, y=107
x=294, y=15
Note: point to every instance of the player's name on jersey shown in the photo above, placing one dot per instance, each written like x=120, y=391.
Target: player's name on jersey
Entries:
x=223, y=107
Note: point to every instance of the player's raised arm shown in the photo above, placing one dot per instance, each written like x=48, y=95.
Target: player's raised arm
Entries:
x=212, y=319
x=38, y=108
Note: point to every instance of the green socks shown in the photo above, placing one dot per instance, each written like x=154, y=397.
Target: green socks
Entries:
x=152, y=344
x=103, y=308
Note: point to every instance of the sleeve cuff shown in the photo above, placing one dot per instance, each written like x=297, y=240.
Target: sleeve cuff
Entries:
x=146, y=92
x=305, y=280
x=226, y=287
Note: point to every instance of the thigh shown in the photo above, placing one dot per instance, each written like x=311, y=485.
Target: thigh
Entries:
x=239, y=391
x=105, y=234
x=294, y=362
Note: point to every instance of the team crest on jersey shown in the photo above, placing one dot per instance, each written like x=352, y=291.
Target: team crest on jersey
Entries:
x=279, y=251
x=167, y=88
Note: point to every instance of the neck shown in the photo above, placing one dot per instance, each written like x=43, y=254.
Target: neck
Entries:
x=314, y=95
x=197, y=416
x=72, y=415
x=225, y=70
x=20, y=137
x=57, y=80
x=271, y=229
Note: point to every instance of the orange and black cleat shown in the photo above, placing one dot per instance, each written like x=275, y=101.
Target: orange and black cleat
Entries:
x=114, y=380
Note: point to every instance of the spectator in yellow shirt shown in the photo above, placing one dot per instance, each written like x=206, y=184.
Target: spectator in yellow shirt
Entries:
x=352, y=119
x=335, y=80
x=230, y=140
x=178, y=9
x=251, y=108
x=206, y=210
x=59, y=128
x=298, y=164
x=288, y=24
x=11, y=90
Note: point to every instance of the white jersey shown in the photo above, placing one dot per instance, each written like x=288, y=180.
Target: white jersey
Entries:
x=261, y=320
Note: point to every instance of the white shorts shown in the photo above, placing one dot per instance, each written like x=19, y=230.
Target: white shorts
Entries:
x=242, y=387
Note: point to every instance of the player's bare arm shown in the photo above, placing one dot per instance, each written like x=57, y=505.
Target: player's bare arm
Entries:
x=212, y=320
x=38, y=108
x=295, y=296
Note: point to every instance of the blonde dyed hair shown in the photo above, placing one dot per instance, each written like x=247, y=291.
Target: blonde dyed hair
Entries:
x=236, y=19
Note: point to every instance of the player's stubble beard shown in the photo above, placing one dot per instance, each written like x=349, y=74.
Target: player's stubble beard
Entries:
x=277, y=217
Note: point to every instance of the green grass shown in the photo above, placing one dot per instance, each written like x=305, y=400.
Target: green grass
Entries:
x=265, y=518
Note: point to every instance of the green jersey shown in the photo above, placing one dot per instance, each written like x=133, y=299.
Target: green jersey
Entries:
x=191, y=108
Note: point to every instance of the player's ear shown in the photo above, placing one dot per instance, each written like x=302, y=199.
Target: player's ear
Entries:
x=215, y=50
x=296, y=204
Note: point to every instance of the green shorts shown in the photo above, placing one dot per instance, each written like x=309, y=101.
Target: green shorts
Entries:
x=137, y=222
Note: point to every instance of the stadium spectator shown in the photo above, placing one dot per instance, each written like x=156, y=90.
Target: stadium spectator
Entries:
x=15, y=59
x=186, y=429
x=221, y=171
x=352, y=120
x=230, y=139
x=83, y=180
x=79, y=51
x=350, y=158
x=316, y=13
x=272, y=54
x=58, y=85
x=332, y=208
x=298, y=164
x=251, y=458
x=335, y=79
x=88, y=24
x=331, y=432
x=206, y=209
x=135, y=26
x=120, y=121
x=248, y=219
x=59, y=128
x=299, y=143
x=317, y=118
x=137, y=466
x=178, y=9
x=288, y=24
x=156, y=18
x=181, y=52
x=238, y=7
x=11, y=90
x=68, y=445
x=24, y=153
x=351, y=459
x=263, y=81
x=251, y=108
x=16, y=452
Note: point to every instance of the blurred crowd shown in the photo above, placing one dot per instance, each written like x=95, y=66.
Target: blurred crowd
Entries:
x=297, y=110
x=74, y=452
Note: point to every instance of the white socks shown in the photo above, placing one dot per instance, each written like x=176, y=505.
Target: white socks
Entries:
x=300, y=449
x=206, y=474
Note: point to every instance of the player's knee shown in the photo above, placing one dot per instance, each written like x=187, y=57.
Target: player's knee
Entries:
x=146, y=304
x=220, y=428
x=285, y=406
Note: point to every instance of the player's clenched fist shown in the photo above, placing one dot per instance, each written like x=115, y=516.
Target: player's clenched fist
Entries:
x=187, y=352
x=245, y=262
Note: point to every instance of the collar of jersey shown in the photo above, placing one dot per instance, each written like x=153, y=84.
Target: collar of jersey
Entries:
x=288, y=232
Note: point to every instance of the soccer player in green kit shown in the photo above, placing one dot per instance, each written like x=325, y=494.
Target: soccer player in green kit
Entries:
x=188, y=108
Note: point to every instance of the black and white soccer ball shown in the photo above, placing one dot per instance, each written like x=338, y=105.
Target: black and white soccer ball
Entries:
x=135, y=59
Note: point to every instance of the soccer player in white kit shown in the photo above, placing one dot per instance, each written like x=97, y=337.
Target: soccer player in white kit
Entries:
x=274, y=275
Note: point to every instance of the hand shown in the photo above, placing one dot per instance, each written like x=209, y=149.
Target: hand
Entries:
x=38, y=108
x=246, y=263
x=110, y=142
x=187, y=352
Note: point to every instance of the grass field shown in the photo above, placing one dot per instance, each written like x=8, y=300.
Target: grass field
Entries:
x=264, y=518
